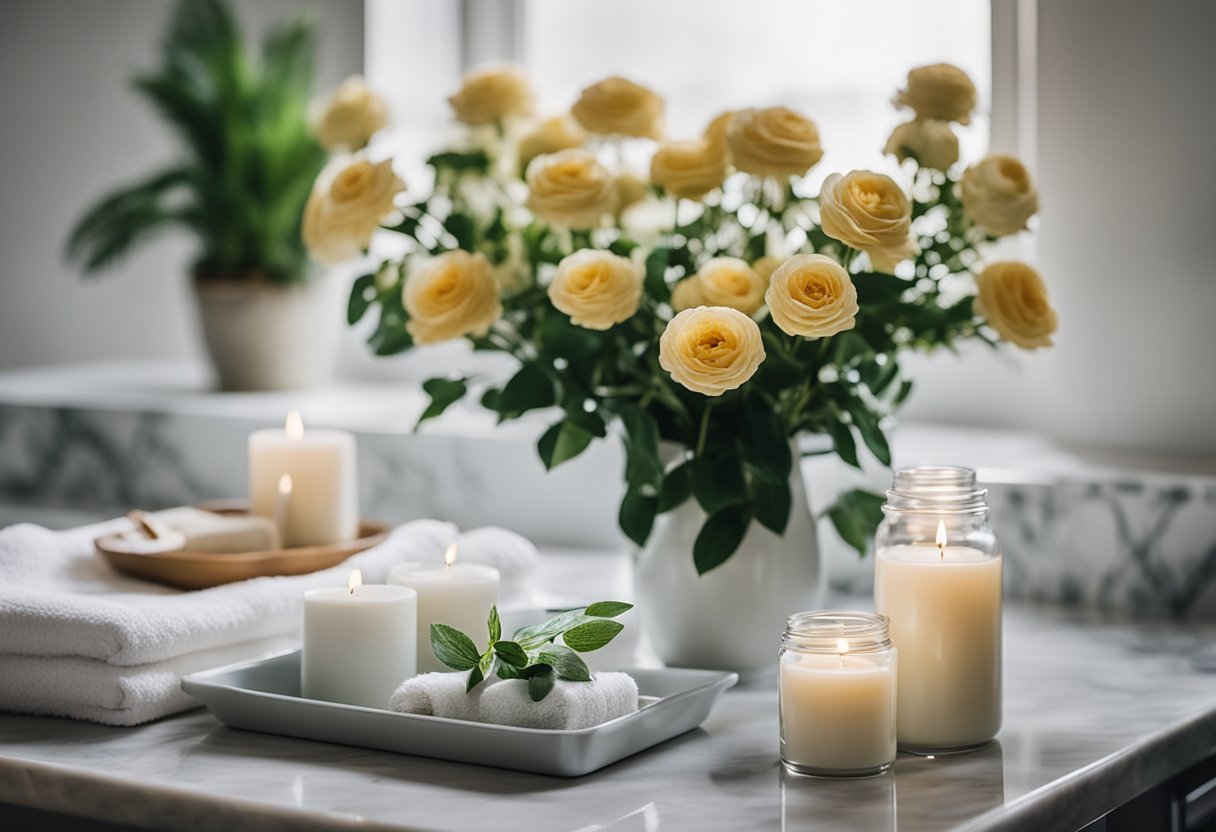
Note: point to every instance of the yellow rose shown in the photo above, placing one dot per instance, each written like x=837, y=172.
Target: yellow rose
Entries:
x=715, y=131
x=451, y=295
x=765, y=267
x=689, y=169
x=868, y=211
x=350, y=117
x=773, y=142
x=1013, y=300
x=687, y=294
x=617, y=106
x=711, y=349
x=550, y=136
x=811, y=295
x=998, y=195
x=729, y=281
x=570, y=188
x=344, y=210
x=597, y=289
x=940, y=91
x=930, y=142
x=492, y=93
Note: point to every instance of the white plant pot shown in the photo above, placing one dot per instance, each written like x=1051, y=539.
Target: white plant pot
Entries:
x=264, y=336
x=732, y=617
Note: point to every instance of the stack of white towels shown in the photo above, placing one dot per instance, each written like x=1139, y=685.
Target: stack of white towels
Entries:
x=79, y=640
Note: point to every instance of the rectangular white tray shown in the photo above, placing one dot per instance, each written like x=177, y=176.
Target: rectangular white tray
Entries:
x=264, y=695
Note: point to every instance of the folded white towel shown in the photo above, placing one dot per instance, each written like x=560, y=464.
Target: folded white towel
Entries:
x=439, y=694
x=569, y=706
x=58, y=598
x=100, y=692
x=515, y=558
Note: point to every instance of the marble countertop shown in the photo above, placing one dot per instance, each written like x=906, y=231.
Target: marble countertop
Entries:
x=1096, y=712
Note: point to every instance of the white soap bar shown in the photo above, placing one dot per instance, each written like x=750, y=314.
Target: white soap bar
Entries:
x=206, y=531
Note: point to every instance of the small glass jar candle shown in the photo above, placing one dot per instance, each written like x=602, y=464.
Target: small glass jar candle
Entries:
x=938, y=579
x=837, y=694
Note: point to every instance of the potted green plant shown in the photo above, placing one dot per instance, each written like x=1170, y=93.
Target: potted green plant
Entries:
x=239, y=186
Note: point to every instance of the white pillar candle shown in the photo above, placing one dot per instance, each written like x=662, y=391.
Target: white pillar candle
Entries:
x=944, y=603
x=837, y=712
x=360, y=642
x=322, y=503
x=457, y=594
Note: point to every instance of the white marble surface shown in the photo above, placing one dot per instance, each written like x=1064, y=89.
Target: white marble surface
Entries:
x=1111, y=530
x=1096, y=712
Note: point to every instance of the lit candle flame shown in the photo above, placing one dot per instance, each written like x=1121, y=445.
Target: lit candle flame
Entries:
x=356, y=581
x=842, y=647
x=449, y=557
x=941, y=539
x=294, y=425
x=285, y=484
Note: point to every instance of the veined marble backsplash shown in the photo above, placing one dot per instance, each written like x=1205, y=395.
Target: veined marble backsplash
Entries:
x=1074, y=532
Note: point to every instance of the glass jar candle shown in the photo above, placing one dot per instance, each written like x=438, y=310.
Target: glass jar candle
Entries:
x=938, y=579
x=837, y=694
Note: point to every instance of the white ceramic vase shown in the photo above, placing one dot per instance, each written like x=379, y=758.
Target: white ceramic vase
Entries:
x=732, y=617
x=264, y=336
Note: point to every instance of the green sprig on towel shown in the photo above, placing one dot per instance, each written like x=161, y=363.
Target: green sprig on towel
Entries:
x=532, y=653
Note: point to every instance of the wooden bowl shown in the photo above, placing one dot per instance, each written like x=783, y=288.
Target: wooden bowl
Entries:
x=200, y=570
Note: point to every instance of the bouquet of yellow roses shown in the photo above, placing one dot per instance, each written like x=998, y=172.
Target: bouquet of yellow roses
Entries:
x=753, y=313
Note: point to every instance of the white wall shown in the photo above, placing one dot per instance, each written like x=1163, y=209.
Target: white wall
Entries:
x=1121, y=152
x=70, y=130
x=1123, y=156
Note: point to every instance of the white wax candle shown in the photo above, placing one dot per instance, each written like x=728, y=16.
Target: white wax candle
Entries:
x=360, y=644
x=322, y=505
x=945, y=611
x=459, y=595
x=837, y=712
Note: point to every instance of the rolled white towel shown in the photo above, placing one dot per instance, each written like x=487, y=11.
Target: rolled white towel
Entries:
x=439, y=694
x=569, y=706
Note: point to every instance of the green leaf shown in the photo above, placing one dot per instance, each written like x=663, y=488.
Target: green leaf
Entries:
x=717, y=480
x=529, y=389
x=476, y=677
x=765, y=445
x=593, y=635
x=453, y=647
x=843, y=442
x=655, y=282
x=444, y=392
x=390, y=339
x=474, y=160
x=676, y=488
x=608, y=609
x=720, y=537
x=904, y=389
x=590, y=422
x=568, y=664
x=871, y=433
x=462, y=229
x=537, y=634
x=636, y=516
x=494, y=624
x=856, y=515
x=511, y=653
x=560, y=338
x=771, y=501
x=564, y=440
x=876, y=289
x=642, y=466
x=505, y=671
x=486, y=662
x=541, y=679
x=362, y=293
